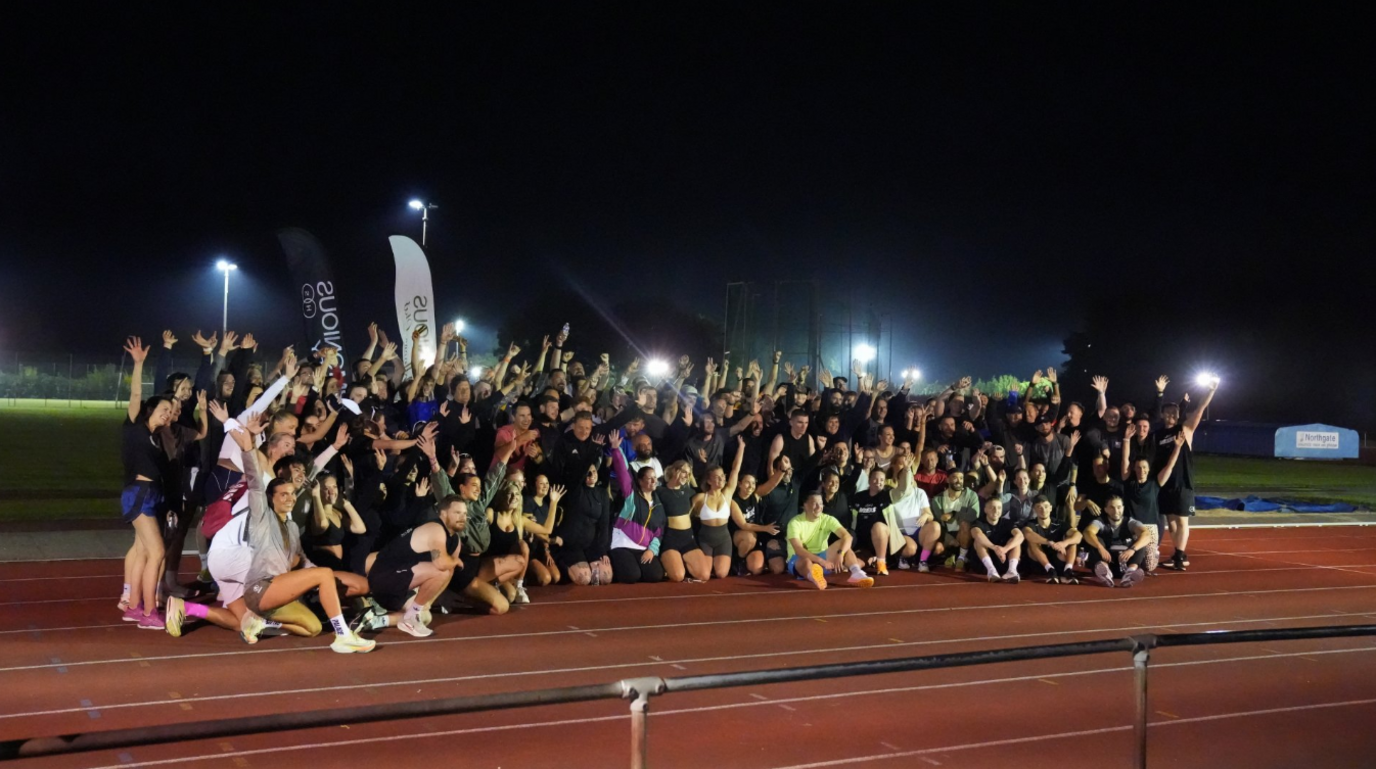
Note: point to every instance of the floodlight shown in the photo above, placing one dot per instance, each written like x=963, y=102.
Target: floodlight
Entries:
x=458, y=326
x=1207, y=379
x=864, y=353
x=416, y=204
x=657, y=367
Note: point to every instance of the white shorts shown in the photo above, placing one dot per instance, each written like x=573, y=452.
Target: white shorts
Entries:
x=229, y=568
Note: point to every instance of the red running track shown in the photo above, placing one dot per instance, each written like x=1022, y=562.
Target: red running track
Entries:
x=67, y=665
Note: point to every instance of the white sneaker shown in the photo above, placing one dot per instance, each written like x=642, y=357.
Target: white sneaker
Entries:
x=521, y=595
x=1103, y=574
x=414, y=627
x=1013, y=577
x=348, y=644
x=250, y=626
x=903, y=563
x=1132, y=578
x=923, y=567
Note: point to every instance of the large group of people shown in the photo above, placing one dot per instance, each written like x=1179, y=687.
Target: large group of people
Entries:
x=357, y=493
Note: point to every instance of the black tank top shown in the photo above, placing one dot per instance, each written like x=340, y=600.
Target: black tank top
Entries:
x=796, y=449
x=502, y=542
x=399, y=555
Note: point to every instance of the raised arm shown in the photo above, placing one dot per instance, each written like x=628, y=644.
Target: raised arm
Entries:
x=137, y=353
x=1101, y=401
x=1129, y=432
x=1165, y=473
x=731, y=480
x=1192, y=422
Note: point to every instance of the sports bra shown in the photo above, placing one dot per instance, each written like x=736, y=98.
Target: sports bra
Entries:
x=719, y=514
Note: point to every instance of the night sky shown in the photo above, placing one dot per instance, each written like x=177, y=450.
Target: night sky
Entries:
x=987, y=172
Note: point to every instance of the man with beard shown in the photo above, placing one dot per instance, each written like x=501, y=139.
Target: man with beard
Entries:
x=954, y=443
x=644, y=449
x=1118, y=546
x=1050, y=448
x=706, y=446
x=1052, y=543
x=521, y=420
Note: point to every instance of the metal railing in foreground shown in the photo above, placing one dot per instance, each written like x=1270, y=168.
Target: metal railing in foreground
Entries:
x=640, y=690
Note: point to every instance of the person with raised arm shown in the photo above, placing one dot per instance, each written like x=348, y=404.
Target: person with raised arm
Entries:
x=275, y=583
x=141, y=502
x=411, y=571
x=714, y=507
x=1177, y=491
x=1142, y=491
x=637, y=533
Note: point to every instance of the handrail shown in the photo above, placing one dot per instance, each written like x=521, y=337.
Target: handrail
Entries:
x=639, y=690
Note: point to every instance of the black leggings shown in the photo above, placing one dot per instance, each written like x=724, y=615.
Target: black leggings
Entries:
x=627, y=568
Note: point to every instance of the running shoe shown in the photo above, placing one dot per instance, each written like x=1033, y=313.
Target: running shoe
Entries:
x=1103, y=574
x=350, y=643
x=413, y=627
x=1132, y=578
x=152, y=621
x=1178, y=561
x=923, y=567
x=369, y=622
x=992, y=576
x=133, y=614
x=521, y=595
x=1012, y=577
x=960, y=564
x=123, y=604
x=950, y=562
x=817, y=576
x=903, y=563
x=1184, y=558
x=250, y=626
x=881, y=568
x=1053, y=580
x=862, y=580
x=176, y=614
x=1068, y=577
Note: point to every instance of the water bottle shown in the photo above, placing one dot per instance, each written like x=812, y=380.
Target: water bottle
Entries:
x=565, y=332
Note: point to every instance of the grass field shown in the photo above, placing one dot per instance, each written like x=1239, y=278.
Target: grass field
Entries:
x=63, y=463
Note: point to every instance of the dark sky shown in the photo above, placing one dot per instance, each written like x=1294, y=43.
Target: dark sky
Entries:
x=977, y=170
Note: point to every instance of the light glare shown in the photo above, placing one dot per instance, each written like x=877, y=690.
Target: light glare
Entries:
x=225, y=266
x=416, y=204
x=1207, y=379
x=864, y=353
x=657, y=367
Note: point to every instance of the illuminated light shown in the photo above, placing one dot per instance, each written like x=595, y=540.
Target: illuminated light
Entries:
x=1207, y=379
x=416, y=204
x=458, y=326
x=864, y=353
x=657, y=367
x=475, y=372
x=225, y=266
x=912, y=373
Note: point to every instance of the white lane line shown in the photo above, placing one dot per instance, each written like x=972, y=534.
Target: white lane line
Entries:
x=1066, y=735
x=130, y=625
x=1117, y=599
x=673, y=663
x=710, y=708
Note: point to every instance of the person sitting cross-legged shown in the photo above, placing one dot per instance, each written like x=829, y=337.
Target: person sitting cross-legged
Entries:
x=997, y=542
x=1051, y=542
x=809, y=555
x=1118, y=546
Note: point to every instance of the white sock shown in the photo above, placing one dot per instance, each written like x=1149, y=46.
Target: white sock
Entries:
x=412, y=614
x=1013, y=566
x=520, y=583
x=988, y=565
x=341, y=628
x=125, y=595
x=856, y=571
x=965, y=551
x=1048, y=567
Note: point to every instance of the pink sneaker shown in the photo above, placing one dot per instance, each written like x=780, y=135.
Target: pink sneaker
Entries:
x=152, y=621
x=133, y=614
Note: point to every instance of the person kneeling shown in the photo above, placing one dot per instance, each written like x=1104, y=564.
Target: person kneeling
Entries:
x=810, y=557
x=997, y=542
x=415, y=568
x=1118, y=546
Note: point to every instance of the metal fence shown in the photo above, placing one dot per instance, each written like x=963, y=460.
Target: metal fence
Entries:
x=640, y=690
x=67, y=377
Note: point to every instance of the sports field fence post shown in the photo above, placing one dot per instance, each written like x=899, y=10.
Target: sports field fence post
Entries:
x=1141, y=654
x=639, y=691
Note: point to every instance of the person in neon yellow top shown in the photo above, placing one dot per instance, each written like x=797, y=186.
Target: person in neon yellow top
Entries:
x=809, y=555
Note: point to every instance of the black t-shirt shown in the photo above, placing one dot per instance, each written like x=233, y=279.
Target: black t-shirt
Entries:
x=750, y=508
x=997, y=533
x=780, y=505
x=1098, y=493
x=1140, y=500
x=141, y=453
x=675, y=501
x=837, y=507
x=1054, y=531
x=1182, y=476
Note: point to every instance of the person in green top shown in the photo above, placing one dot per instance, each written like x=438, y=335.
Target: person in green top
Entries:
x=956, y=507
x=810, y=557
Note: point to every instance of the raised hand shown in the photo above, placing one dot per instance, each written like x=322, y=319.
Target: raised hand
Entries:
x=230, y=343
x=1074, y=439
x=614, y=438
x=134, y=346
x=446, y=334
x=201, y=342
x=512, y=350
x=218, y=411
x=341, y=437
x=568, y=356
x=1051, y=374
x=168, y=339
x=556, y=493
x=248, y=343
x=256, y=423
x=1161, y=383
x=600, y=440
x=1100, y=383
x=778, y=355
x=1037, y=376
x=389, y=351
x=372, y=333
x=605, y=359
x=1129, y=431
x=201, y=401
x=545, y=344
x=964, y=382
x=422, y=488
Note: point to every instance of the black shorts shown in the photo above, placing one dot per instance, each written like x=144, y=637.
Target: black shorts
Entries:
x=1176, y=502
x=464, y=576
x=678, y=540
x=566, y=557
x=864, y=524
x=390, y=587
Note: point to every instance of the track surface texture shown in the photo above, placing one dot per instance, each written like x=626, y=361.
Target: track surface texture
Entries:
x=67, y=664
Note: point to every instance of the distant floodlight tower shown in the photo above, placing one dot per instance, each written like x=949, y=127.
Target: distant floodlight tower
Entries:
x=424, y=209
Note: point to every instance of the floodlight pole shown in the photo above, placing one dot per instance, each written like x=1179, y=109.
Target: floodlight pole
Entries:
x=224, y=315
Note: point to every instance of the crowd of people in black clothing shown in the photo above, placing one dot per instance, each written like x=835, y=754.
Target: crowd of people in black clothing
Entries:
x=359, y=493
